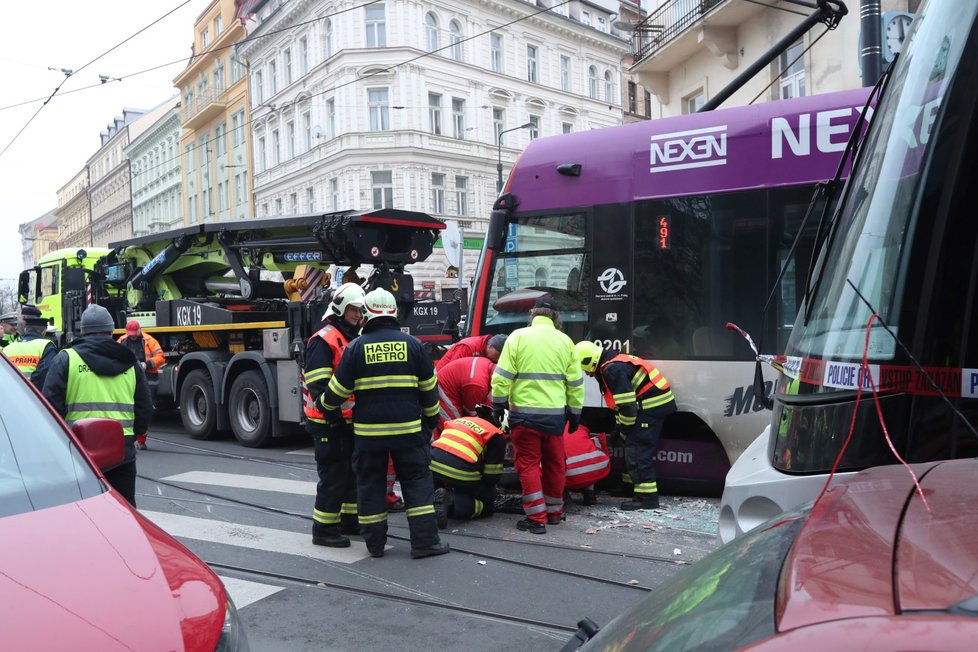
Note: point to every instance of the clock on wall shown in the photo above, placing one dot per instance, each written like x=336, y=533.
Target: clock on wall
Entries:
x=894, y=31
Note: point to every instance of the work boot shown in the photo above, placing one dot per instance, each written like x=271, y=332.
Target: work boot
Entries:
x=441, y=508
x=330, y=540
x=430, y=551
x=648, y=501
x=553, y=519
x=531, y=526
x=588, y=497
x=376, y=552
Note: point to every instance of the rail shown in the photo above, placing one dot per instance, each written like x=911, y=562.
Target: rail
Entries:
x=667, y=22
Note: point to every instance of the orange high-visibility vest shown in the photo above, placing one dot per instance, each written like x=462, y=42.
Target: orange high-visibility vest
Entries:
x=653, y=380
x=337, y=342
x=466, y=438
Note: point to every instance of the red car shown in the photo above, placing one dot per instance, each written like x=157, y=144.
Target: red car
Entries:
x=869, y=568
x=79, y=568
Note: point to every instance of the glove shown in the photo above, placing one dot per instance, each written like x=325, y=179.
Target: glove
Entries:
x=498, y=413
x=573, y=421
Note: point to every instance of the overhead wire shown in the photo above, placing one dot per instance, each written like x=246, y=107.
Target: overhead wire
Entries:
x=70, y=73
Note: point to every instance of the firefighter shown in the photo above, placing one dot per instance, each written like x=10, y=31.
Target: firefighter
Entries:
x=34, y=352
x=539, y=379
x=463, y=384
x=485, y=346
x=467, y=462
x=395, y=412
x=335, y=510
x=149, y=354
x=641, y=398
x=96, y=377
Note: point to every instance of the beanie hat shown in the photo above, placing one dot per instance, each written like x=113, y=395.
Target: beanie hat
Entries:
x=546, y=301
x=497, y=341
x=96, y=319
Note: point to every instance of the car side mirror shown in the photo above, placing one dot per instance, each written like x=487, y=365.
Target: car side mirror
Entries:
x=103, y=439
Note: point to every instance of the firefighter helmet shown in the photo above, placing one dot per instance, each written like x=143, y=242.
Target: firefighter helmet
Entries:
x=379, y=303
x=346, y=295
x=589, y=354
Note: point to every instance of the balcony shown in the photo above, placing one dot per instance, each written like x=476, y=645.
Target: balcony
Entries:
x=679, y=28
x=203, y=108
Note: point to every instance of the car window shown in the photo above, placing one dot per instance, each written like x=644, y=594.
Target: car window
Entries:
x=39, y=464
x=722, y=602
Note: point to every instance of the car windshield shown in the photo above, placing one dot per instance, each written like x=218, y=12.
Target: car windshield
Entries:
x=724, y=601
x=40, y=466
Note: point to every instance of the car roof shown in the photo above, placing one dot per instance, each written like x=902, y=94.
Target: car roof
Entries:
x=870, y=547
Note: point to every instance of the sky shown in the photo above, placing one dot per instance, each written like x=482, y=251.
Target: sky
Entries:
x=65, y=133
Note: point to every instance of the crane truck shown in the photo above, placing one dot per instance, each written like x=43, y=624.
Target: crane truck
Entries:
x=233, y=304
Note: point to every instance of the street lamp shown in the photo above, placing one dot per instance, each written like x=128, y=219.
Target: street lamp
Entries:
x=499, y=153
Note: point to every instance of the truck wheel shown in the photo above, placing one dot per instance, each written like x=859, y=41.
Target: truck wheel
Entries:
x=198, y=409
x=249, y=409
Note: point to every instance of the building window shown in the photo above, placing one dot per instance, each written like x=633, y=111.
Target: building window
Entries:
x=236, y=69
x=262, y=163
x=334, y=192
x=462, y=196
x=219, y=76
x=294, y=203
x=306, y=132
x=272, y=78
x=431, y=31
x=566, y=127
x=221, y=139
x=205, y=37
x=498, y=119
x=328, y=37
x=791, y=82
x=648, y=104
x=434, y=113
x=602, y=24
x=609, y=87
x=376, y=26
x=290, y=139
x=632, y=100
x=276, y=147
x=455, y=38
x=565, y=72
x=238, y=189
x=382, y=185
x=535, y=128
x=378, y=105
x=259, y=88
x=303, y=56
x=458, y=118
x=592, y=82
x=264, y=208
x=287, y=55
x=189, y=156
x=331, y=118
x=236, y=135
x=438, y=193
x=496, y=52
x=586, y=18
x=310, y=200
x=218, y=24
x=278, y=206
x=531, y=63
x=693, y=103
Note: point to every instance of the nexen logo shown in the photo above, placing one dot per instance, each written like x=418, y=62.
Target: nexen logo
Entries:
x=682, y=150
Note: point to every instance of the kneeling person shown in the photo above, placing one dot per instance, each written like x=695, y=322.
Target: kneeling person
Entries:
x=468, y=460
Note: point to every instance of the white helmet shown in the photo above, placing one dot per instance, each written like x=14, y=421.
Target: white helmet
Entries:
x=379, y=303
x=348, y=294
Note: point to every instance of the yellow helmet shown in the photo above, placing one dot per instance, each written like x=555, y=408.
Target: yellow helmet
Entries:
x=589, y=354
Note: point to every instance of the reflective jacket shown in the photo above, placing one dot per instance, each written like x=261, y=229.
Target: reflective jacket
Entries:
x=469, y=347
x=394, y=380
x=152, y=353
x=476, y=449
x=587, y=461
x=323, y=353
x=91, y=396
x=463, y=384
x=539, y=376
x=27, y=353
x=631, y=385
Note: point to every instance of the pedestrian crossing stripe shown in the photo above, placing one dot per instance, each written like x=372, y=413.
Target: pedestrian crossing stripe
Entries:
x=254, y=537
x=244, y=592
x=236, y=481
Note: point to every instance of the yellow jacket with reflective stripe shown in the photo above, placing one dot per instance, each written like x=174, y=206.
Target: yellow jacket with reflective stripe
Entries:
x=26, y=354
x=539, y=377
x=92, y=396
